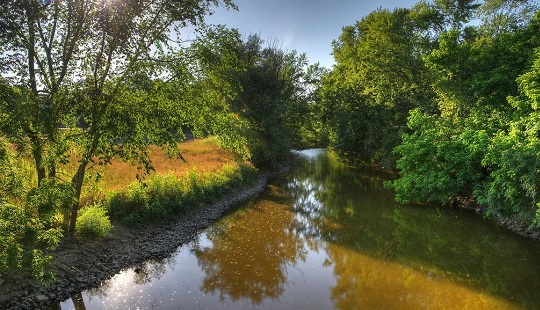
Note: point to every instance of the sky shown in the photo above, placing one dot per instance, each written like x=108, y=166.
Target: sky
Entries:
x=307, y=26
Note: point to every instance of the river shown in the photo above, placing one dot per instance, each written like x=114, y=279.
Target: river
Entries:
x=327, y=236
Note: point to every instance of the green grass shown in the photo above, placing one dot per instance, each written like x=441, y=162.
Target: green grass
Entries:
x=163, y=197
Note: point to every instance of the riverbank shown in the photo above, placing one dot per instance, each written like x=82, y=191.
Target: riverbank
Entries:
x=515, y=225
x=80, y=265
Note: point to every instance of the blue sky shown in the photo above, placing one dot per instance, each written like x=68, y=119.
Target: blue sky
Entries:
x=306, y=26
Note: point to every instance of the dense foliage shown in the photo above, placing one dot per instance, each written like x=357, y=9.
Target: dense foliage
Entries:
x=451, y=104
x=93, y=222
x=28, y=223
x=256, y=92
x=163, y=196
x=378, y=78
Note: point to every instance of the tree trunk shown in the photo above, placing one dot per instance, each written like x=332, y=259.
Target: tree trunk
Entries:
x=37, y=152
x=77, y=183
x=37, y=148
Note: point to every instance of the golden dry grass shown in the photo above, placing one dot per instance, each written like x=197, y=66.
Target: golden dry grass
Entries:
x=204, y=155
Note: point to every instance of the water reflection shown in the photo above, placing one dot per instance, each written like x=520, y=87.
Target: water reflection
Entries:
x=368, y=235
x=76, y=299
x=364, y=282
x=329, y=236
x=249, y=253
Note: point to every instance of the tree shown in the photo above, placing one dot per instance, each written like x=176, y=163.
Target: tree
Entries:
x=378, y=78
x=513, y=186
x=73, y=62
x=457, y=12
x=438, y=161
x=252, y=90
x=482, y=144
x=503, y=16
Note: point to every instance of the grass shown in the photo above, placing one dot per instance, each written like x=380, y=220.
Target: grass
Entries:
x=202, y=155
x=162, y=197
x=174, y=187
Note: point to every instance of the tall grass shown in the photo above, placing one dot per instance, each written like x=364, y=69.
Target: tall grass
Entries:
x=205, y=173
x=163, y=197
x=203, y=155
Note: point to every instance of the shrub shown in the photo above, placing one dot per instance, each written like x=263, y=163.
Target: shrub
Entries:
x=23, y=237
x=93, y=222
x=164, y=196
x=437, y=161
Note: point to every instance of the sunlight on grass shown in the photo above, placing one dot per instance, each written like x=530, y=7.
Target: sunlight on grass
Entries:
x=204, y=155
x=201, y=155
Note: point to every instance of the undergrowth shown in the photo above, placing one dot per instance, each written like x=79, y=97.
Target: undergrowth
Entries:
x=162, y=197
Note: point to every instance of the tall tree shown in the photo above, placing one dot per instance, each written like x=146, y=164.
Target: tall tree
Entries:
x=502, y=16
x=457, y=12
x=378, y=78
x=253, y=88
x=482, y=146
x=73, y=61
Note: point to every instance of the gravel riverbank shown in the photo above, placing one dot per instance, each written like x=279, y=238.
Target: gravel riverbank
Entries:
x=80, y=265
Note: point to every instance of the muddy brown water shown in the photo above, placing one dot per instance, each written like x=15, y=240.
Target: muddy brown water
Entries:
x=327, y=236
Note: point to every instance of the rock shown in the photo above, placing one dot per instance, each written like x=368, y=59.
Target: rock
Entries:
x=42, y=298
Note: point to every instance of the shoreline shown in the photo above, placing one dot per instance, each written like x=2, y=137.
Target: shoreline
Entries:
x=83, y=264
x=512, y=224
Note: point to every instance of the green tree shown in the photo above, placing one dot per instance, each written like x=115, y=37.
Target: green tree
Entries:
x=379, y=77
x=75, y=62
x=438, y=161
x=513, y=186
x=254, y=91
x=482, y=143
x=503, y=16
x=457, y=12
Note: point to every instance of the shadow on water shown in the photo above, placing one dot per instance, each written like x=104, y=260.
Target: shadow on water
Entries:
x=329, y=236
x=76, y=299
x=353, y=210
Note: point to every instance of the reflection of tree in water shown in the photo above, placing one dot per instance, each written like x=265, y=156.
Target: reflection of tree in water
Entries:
x=77, y=300
x=468, y=251
x=153, y=269
x=251, y=251
x=364, y=282
x=350, y=208
x=342, y=204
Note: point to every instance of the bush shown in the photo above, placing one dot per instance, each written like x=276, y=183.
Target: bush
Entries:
x=164, y=196
x=93, y=222
x=438, y=161
x=23, y=237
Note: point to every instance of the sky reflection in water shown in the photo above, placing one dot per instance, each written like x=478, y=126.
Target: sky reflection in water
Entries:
x=328, y=236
